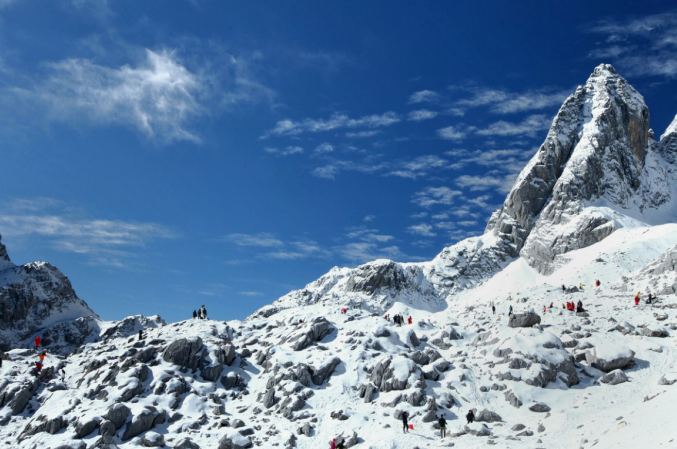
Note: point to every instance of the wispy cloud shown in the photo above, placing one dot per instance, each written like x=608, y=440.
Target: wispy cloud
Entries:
x=284, y=152
x=324, y=148
x=644, y=46
x=451, y=133
x=421, y=114
x=530, y=126
x=435, y=195
x=422, y=229
x=262, y=239
x=251, y=293
x=478, y=182
x=420, y=167
x=363, y=134
x=336, y=121
x=424, y=96
x=105, y=241
x=502, y=101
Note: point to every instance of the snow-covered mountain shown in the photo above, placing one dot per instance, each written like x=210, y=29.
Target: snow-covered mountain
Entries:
x=595, y=203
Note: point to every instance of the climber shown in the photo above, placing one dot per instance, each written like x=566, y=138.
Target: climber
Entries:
x=343, y=310
x=581, y=287
x=141, y=336
x=551, y=304
x=36, y=370
x=42, y=356
x=564, y=289
x=579, y=307
x=199, y=314
x=510, y=311
x=63, y=375
x=410, y=320
x=194, y=314
x=597, y=283
x=649, y=299
x=637, y=299
x=204, y=312
x=37, y=342
x=470, y=417
x=443, y=426
x=341, y=445
x=493, y=309
x=545, y=310
x=405, y=423
x=333, y=444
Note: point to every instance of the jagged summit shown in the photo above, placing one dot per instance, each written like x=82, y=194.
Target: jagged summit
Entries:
x=598, y=170
x=5, y=262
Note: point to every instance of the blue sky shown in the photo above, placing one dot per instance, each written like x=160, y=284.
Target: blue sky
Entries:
x=166, y=155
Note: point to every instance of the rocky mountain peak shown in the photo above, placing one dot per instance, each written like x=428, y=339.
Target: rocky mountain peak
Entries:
x=5, y=262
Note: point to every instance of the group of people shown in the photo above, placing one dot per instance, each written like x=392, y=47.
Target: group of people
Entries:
x=441, y=421
x=201, y=313
x=399, y=319
x=649, y=300
x=574, y=307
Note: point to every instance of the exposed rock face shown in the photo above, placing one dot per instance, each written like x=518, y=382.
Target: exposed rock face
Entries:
x=30, y=295
x=596, y=147
x=613, y=357
x=183, y=352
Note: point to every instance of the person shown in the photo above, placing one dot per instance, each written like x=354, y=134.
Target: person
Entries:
x=199, y=314
x=43, y=355
x=410, y=321
x=443, y=426
x=581, y=287
x=333, y=443
x=36, y=370
x=141, y=336
x=341, y=445
x=194, y=314
x=300, y=321
x=564, y=289
x=493, y=309
x=597, y=283
x=637, y=299
x=470, y=417
x=545, y=310
x=649, y=299
x=63, y=375
x=204, y=312
x=37, y=342
x=551, y=304
x=343, y=310
x=405, y=423
x=510, y=311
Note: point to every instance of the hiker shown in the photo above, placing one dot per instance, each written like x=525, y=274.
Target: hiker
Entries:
x=551, y=304
x=493, y=309
x=63, y=375
x=333, y=444
x=470, y=417
x=597, y=283
x=545, y=310
x=510, y=311
x=141, y=336
x=637, y=299
x=36, y=370
x=405, y=423
x=300, y=321
x=37, y=342
x=199, y=314
x=343, y=310
x=194, y=314
x=410, y=321
x=42, y=356
x=204, y=312
x=341, y=445
x=581, y=287
x=579, y=307
x=443, y=426
x=648, y=301
x=564, y=289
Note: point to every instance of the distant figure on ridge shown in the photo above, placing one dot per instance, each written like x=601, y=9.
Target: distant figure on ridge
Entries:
x=470, y=417
x=194, y=314
x=405, y=423
x=204, y=312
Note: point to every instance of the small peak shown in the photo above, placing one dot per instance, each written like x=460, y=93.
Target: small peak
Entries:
x=604, y=70
x=672, y=128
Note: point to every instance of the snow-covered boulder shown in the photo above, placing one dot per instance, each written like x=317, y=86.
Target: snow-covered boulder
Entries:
x=609, y=356
x=615, y=377
x=527, y=319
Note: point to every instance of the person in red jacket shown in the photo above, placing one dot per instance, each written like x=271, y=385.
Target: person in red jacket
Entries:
x=637, y=299
x=410, y=320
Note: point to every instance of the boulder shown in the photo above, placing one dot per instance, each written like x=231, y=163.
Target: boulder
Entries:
x=183, y=352
x=117, y=414
x=319, y=375
x=609, y=357
x=615, y=377
x=229, y=354
x=139, y=424
x=186, y=443
x=412, y=338
x=106, y=428
x=477, y=429
x=153, y=439
x=518, y=427
x=381, y=331
x=420, y=358
x=269, y=398
x=234, y=440
x=658, y=332
x=539, y=407
x=20, y=400
x=527, y=319
x=347, y=441
x=487, y=416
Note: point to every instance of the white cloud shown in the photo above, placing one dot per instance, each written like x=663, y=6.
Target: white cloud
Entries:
x=420, y=167
x=466, y=223
x=369, y=218
x=68, y=230
x=336, y=121
x=368, y=235
x=506, y=102
x=451, y=133
x=262, y=239
x=423, y=96
x=479, y=182
x=326, y=172
x=530, y=126
x=422, y=114
x=285, y=152
x=435, y=195
x=251, y=293
x=159, y=97
x=324, y=148
x=362, y=134
x=422, y=229
x=481, y=201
